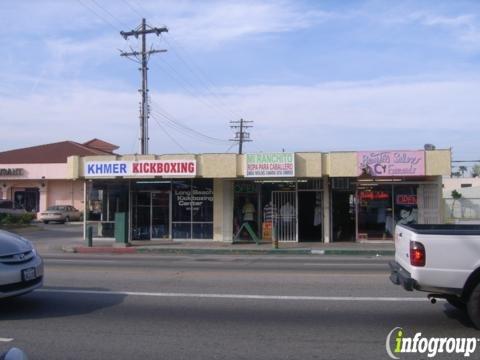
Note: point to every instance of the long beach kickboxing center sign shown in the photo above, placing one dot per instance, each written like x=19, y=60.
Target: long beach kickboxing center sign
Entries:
x=93, y=169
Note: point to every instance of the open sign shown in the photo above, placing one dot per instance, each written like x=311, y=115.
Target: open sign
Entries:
x=406, y=199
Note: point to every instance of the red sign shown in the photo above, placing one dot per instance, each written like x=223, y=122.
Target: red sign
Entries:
x=406, y=199
x=373, y=195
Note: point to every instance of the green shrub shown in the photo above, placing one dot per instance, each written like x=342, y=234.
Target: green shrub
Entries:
x=13, y=219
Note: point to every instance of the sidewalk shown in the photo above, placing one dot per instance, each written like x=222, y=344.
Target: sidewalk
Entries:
x=226, y=248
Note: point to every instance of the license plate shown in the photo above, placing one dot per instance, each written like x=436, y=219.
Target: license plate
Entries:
x=29, y=274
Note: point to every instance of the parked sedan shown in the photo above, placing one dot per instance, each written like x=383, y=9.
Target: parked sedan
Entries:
x=21, y=268
x=61, y=214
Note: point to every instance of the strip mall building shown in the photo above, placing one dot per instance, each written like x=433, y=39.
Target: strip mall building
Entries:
x=303, y=196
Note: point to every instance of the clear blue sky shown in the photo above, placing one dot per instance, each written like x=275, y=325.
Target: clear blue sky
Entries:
x=312, y=75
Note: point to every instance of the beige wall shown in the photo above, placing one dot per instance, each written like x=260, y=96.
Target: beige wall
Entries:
x=438, y=162
x=222, y=210
x=65, y=193
x=341, y=164
x=307, y=164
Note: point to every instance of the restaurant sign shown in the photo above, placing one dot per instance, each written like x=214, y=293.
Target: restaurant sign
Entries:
x=140, y=168
x=270, y=165
x=391, y=163
x=11, y=172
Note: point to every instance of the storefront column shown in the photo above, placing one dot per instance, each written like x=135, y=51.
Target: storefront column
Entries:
x=222, y=210
x=326, y=210
x=43, y=192
x=5, y=192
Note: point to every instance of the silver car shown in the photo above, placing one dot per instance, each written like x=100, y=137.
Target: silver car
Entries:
x=21, y=268
x=61, y=214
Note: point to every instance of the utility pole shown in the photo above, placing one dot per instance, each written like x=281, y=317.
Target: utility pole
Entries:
x=142, y=58
x=241, y=135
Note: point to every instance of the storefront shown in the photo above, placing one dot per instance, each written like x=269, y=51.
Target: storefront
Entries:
x=37, y=177
x=338, y=196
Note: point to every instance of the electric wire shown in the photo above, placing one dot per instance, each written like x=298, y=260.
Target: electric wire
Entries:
x=176, y=76
x=195, y=70
x=133, y=8
x=97, y=15
x=116, y=18
x=162, y=112
x=169, y=136
x=172, y=123
x=194, y=135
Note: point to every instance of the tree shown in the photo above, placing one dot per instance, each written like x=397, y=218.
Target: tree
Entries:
x=456, y=196
x=476, y=170
x=463, y=170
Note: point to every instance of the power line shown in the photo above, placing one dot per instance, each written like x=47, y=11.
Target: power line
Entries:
x=195, y=70
x=143, y=56
x=172, y=119
x=192, y=134
x=133, y=8
x=97, y=14
x=168, y=134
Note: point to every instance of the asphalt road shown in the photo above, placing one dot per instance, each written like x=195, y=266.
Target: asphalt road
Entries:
x=219, y=307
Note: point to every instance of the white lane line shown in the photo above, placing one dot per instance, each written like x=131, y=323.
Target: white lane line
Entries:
x=101, y=262
x=347, y=264
x=6, y=339
x=236, y=296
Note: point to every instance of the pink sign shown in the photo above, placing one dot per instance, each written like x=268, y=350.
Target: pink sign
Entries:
x=391, y=163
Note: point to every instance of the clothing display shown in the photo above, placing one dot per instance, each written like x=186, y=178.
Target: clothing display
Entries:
x=248, y=211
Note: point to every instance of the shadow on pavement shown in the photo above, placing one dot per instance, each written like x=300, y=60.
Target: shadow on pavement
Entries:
x=457, y=314
x=40, y=305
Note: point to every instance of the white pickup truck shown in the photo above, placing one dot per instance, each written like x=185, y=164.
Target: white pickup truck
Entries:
x=443, y=260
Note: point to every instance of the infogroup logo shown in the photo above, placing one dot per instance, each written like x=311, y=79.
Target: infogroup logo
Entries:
x=398, y=343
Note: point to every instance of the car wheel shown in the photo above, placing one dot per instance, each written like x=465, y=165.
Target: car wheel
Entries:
x=67, y=219
x=45, y=221
x=456, y=303
x=473, y=306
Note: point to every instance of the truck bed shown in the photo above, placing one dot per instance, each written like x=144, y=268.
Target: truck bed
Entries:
x=444, y=229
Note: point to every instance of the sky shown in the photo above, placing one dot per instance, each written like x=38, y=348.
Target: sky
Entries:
x=322, y=75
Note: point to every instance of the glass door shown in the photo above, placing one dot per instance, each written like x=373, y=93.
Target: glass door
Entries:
x=160, y=215
x=151, y=215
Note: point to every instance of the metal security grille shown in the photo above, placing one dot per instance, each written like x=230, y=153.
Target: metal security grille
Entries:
x=429, y=204
x=285, y=215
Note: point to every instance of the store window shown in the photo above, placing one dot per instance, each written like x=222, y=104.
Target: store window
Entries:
x=406, y=205
x=192, y=209
x=104, y=200
x=375, y=213
x=245, y=210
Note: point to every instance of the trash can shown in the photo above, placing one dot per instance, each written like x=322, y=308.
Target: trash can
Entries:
x=121, y=228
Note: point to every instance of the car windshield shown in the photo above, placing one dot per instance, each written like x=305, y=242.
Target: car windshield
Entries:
x=56, y=208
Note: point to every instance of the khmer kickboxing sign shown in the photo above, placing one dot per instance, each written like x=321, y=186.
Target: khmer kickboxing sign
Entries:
x=140, y=168
x=391, y=163
x=270, y=165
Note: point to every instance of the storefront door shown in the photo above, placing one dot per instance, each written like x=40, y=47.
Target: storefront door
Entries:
x=285, y=215
x=151, y=215
x=160, y=215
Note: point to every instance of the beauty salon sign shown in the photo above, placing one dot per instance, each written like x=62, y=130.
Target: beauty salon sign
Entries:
x=391, y=163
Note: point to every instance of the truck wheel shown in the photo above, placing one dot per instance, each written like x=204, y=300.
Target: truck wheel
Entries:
x=456, y=303
x=473, y=306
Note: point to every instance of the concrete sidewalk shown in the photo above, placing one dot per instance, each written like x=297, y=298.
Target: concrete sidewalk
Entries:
x=226, y=248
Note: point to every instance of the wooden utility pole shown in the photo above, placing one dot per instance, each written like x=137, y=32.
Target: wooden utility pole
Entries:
x=142, y=58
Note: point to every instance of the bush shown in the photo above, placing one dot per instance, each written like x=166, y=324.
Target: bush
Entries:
x=12, y=219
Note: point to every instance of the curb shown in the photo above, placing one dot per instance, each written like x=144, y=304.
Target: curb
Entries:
x=197, y=251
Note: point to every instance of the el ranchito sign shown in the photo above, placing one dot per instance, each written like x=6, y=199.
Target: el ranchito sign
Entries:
x=270, y=165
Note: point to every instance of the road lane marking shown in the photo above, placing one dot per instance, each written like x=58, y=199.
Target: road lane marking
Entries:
x=6, y=339
x=237, y=296
x=385, y=265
